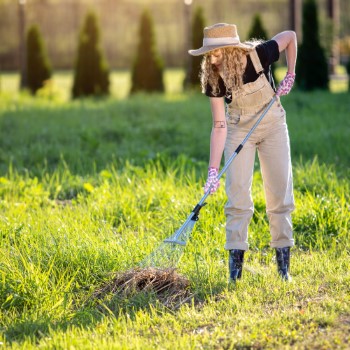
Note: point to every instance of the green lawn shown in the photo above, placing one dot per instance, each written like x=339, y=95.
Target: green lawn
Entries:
x=92, y=187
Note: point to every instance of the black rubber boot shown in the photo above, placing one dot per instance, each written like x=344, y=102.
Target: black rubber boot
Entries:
x=283, y=261
x=236, y=264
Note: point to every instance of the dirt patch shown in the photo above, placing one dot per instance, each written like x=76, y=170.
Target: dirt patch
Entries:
x=170, y=288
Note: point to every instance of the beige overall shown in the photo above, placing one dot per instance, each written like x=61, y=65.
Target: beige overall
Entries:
x=271, y=139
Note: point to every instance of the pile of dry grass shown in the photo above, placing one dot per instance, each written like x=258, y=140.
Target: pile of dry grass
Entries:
x=170, y=288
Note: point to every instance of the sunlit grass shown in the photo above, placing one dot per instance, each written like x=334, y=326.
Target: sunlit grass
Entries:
x=120, y=83
x=338, y=85
x=56, y=250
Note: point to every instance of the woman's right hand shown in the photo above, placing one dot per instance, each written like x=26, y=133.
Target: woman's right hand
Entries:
x=212, y=182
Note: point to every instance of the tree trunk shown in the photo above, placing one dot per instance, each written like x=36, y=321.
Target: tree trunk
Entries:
x=294, y=16
x=22, y=44
x=333, y=15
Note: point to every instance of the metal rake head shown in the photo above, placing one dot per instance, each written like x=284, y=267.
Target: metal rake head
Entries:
x=170, y=251
x=182, y=235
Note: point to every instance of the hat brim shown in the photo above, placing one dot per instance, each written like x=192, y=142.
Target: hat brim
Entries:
x=204, y=49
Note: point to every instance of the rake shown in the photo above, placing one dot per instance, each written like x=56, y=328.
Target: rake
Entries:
x=170, y=251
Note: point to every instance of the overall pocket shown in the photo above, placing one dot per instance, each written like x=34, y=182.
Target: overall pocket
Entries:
x=232, y=115
x=233, y=118
x=278, y=110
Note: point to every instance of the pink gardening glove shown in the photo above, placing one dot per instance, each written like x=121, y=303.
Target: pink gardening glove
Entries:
x=212, y=180
x=286, y=85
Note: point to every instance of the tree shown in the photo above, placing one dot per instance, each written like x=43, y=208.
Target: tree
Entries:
x=312, y=68
x=257, y=31
x=333, y=29
x=147, y=70
x=38, y=66
x=194, y=62
x=91, y=77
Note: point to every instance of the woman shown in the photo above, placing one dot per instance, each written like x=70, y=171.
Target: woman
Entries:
x=238, y=75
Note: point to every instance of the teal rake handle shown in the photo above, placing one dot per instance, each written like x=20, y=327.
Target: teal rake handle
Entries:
x=194, y=214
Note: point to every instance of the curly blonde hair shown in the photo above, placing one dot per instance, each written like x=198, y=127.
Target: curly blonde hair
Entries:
x=233, y=70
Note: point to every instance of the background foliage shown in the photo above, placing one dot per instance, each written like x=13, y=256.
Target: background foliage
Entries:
x=119, y=25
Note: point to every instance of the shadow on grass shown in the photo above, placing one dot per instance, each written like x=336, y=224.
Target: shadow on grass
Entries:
x=86, y=317
x=112, y=305
x=37, y=329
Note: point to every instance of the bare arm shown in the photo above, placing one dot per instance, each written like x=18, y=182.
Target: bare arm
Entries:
x=288, y=41
x=218, y=132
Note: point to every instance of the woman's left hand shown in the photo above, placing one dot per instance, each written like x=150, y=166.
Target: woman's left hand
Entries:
x=286, y=85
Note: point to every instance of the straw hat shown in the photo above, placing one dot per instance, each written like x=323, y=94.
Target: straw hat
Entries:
x=220, y=35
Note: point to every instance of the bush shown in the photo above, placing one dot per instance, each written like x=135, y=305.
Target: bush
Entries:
x=312, y=67
x=91, y=71
x=38, y=66
x=257, y=30
x=147, y=70
x=194, y=65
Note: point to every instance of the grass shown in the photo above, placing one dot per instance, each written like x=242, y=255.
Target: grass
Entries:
x=91, y=187
x=41, y=134
x=55, y=253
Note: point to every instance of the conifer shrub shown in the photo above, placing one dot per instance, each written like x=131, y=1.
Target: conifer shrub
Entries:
x=194, y=64
x=257, y=30
x=38, y=66
x=91, y=76
x=147, y=69
x=312, y=67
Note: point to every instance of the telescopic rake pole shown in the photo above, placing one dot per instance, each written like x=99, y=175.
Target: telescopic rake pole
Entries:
x=185, y=230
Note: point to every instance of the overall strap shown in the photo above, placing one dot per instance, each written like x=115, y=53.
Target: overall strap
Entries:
x=256, y=61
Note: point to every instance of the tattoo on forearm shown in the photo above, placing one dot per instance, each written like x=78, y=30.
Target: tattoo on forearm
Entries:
x=220, y=124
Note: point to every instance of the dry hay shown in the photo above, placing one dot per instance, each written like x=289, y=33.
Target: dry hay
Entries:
x=170, y=288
